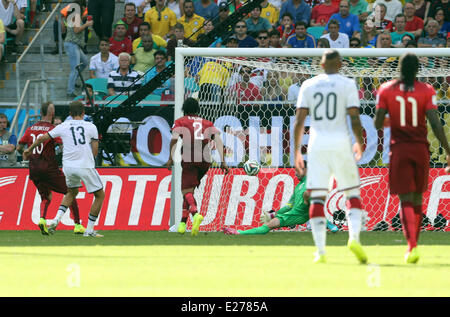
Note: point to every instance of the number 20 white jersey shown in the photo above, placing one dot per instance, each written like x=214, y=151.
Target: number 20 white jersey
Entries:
x=328, y=96
x=76, y=136
x=329, y=148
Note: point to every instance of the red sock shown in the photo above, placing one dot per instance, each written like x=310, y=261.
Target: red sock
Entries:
x=316, y=210
x=44, y=206
x=185, y=216
x=75, y=211
x=418, y=213
x=189, y=197
x=353, y=203
x=408, y=219
x=185, y=213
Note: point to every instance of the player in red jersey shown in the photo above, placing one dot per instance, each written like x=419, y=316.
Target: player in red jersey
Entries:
x=409, y=103
x=44, y=170
x=199, y=136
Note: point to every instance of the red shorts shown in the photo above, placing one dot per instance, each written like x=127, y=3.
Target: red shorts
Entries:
x=47, y=178
x=193, y=173
x=408, y=168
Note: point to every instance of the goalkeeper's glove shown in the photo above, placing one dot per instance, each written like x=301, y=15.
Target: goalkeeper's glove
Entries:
x=266, y=216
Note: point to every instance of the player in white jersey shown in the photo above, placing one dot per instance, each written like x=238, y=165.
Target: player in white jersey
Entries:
x=328, y=99
x=80, y=146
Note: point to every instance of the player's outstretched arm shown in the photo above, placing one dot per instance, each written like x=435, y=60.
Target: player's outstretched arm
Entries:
x=357, y=131
x=438, y=130
x=299, y=129
x=38, y=141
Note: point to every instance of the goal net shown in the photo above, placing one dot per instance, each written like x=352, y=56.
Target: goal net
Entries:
x=250, y=95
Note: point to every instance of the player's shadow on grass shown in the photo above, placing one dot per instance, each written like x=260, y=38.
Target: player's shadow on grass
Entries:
x=419, y=264
x=142, y=238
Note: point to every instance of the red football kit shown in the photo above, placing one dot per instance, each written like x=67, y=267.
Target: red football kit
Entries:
x=409, y=156
x=413, y=25
x=249, y=93
x=133, y=28
x=322, y=12
x=44, y=170
x=117, y=47
x=197, y=134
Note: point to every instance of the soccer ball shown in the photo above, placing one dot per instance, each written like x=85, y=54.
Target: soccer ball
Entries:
x=251, y=168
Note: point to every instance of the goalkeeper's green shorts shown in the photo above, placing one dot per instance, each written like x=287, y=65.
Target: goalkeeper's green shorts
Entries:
x=293, y=218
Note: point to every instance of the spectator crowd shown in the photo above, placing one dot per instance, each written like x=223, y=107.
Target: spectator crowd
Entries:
x=138, y=46
x=134, y=49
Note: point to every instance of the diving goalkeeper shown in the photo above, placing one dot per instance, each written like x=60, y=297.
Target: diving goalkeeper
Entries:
x=296, y=212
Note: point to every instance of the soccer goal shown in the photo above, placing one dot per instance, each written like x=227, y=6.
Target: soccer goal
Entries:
x=250, y=95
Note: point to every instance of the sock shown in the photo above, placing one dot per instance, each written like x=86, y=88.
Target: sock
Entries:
x=318, y=225
x=419, y=215
x=189, y=197
x=408, y=219
x=185, y=212
x=354, y=218
x=259, y=230
x=62, y=209
x=75, y=211
x=185, y=215
x=91, y=222
x=44, y=206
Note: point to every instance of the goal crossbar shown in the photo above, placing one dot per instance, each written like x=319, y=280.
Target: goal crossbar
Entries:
x=303, y=52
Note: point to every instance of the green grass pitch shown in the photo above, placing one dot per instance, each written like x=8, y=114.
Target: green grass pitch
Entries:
x=133, y=263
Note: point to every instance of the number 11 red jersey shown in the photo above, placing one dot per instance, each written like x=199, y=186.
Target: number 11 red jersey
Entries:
x=407, y=110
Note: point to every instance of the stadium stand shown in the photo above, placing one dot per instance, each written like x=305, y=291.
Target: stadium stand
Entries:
x=39, y=63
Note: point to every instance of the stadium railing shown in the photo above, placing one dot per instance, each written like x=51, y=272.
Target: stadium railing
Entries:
x=54, y=12
x=40, y=94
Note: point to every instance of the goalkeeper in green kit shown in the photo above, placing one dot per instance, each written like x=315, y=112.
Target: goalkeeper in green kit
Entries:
x=296, y=212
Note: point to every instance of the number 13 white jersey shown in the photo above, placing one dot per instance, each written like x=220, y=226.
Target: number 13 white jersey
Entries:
x=76, y=136
x=328, y=96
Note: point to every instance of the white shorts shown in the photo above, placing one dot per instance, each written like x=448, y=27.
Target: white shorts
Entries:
x=89, y=176
x=325, y=164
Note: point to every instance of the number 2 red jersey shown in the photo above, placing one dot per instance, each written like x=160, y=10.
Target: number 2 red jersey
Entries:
x=407, y=110
x=197, y=134
x=44, y=151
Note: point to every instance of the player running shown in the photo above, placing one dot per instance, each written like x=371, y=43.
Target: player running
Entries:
x=199, y=136
x=44, y=170
x=328, y=98
x=409, y=102
x=296, y=212
x=80, y=146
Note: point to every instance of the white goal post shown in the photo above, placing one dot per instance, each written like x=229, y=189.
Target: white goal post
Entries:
x=296, y=61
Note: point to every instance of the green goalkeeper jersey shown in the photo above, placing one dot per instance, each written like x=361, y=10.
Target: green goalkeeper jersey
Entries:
x=296, y=211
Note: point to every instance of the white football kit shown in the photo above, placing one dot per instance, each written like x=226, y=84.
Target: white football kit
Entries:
x=78, y=159
x=327, y=97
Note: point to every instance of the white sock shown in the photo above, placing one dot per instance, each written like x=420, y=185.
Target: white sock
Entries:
x=354, y=223
x=91, y=222
x=319, y=232
x=61, y=211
